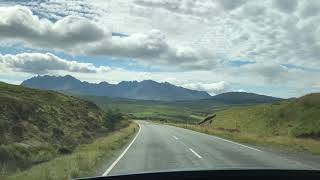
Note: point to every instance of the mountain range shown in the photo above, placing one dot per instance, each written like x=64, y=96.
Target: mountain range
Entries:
x=144, y=90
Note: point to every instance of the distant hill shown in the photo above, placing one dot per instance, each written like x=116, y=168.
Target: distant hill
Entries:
x=224, y=100
x=36, y=125
x=144, y=90
x=243, y=97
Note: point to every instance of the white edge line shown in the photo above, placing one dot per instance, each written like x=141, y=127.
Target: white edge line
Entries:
x=222, y=139
x=121, y=155
x=195, y=153
x=238, y=144
x=175, y=137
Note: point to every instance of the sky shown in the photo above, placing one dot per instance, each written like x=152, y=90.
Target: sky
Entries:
x=268, y=47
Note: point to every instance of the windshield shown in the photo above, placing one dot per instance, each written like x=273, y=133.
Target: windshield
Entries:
x=100, y=88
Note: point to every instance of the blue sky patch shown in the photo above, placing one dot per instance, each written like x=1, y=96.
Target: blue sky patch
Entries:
x=292, y=66
x=240, y=62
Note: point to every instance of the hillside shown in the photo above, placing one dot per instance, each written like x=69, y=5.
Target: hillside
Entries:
x=225, y=100
x=37, y=125
x=146, y=109
x=243, y=98
x=290, y=125
x=234, y=98
x=183, y=111
x=298, y=117
x=144, y=90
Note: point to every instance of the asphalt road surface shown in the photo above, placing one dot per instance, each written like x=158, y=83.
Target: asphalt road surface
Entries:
x=159, y=147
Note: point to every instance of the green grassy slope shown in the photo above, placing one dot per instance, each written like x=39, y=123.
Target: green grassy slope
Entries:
x=37, y=125
x=181, y=111
x=144, y=109
x=86, y=161
x=292, y=125
x=298, y=118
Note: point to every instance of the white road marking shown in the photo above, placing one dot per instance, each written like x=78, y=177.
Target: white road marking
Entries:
x=121, y=155
x=175, y=137
x=219, y=138
x=195, y=153
x=238, y=144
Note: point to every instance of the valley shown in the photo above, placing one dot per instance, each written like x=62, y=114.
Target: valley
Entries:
x=55, y=122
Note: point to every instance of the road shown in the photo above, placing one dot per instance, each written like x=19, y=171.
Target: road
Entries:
x=165, y=148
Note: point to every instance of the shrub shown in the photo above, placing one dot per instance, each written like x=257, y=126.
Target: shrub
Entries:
x=3, y=139
x=57, y=132
x=111, y=118
x=18, y=131
x=65, y=150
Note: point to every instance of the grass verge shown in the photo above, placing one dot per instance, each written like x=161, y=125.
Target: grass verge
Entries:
x=83, y=162
x=280, y=142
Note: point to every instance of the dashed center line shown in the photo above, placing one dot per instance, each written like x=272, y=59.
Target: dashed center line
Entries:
x=195, y=153
x=175, y=137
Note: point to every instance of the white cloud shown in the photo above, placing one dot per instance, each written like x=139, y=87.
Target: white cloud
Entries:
x=19, y=23
x=187, y=7
x=271, y=73
x=193, y=7
x=272, y=35
x=152, y=48
x=231, y=4
x=287, y=6
x=39, y=63
x=211, y=88
x=309, y=8
x=78, y=35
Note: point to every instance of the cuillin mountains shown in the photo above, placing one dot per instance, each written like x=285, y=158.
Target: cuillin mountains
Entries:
x=144, y=90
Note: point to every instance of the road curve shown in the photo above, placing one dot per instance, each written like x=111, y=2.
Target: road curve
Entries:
x=165, y=148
